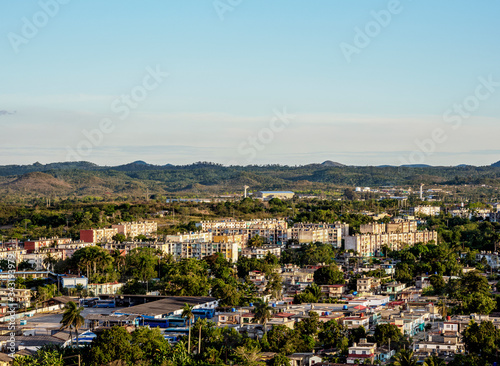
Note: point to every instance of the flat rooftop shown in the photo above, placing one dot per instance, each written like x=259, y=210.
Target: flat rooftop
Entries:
x=165, y=306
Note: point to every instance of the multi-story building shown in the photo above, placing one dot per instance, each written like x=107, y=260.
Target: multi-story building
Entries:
x=193, y=237
x=104, y=288
x=261, y=252
x=273, y=230
x=492, y=259
x=134, y=229
x=71, y=281
x=368, y=284
x=425, y=210
x=367, y=245
x=318, y=232
x=34, y=245
x=362, y=352
x=20, y=296
x=395, y=226
x=98, y=235
x=229, y=251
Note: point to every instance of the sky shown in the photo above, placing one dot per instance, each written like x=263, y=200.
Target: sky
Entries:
x=241, y=82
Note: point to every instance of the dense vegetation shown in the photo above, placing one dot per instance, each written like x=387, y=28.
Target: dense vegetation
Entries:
x=133, y=180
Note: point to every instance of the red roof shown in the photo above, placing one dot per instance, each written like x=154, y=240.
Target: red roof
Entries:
x=283, y=315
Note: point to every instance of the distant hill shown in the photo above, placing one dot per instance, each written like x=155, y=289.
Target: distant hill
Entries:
x=496, y=165
x=137, y=178
x=331, y=163
x=38, y=182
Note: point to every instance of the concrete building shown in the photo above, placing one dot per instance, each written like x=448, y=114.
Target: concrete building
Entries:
x=425, y=210
x=34, y=245
x=105, y=288
x=273, y=230
x=318, y=232
x=193, y=237
x=361, y=352
x=134, y=229
x=15, y=295
x=71, y=281
x=98, y=235
x=261, y=252
x=268, y=195
x=368, y=284
x=368, y=245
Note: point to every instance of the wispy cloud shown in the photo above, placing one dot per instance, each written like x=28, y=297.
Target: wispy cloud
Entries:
x=4, y=112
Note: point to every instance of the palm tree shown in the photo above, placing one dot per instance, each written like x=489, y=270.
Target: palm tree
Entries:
x=187, y=312
x=72, y=319
x=200, y=323
x=49, y=261
x=119, y=259
x=404, y=358
x=434, y=361
x=315, y=290
x=249, y=355
x=443, y=310
x=262, y=313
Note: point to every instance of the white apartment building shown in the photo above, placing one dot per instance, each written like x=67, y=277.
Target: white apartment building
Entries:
x=199, y=236
x=425, y=210
x=274, y=230
x=368, y=245
x=261, y=252
x=133, y=229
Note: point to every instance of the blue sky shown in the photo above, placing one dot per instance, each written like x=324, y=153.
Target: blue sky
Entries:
x=233, y=65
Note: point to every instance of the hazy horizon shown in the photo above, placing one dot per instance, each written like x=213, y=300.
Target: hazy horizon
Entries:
x=250, y=82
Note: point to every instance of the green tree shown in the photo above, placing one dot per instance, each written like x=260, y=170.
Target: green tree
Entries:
x=119, y=238
x=112, y=345
x=41, y=358
x=262, y=312
x=279, y=360
x=434, y=361
x=404, y=358
x=328, y=275
x=482, y=338
x=72, y=319
x=187, y=312
x=386, y=331
x=334, y=335
x=256, y=241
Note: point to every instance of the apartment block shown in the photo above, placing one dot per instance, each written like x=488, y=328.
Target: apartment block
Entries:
x=133, y=229
x=199, y=236
x=274, y=230
x=261, y=252
x=368, y=245
x=98, y=235
x=34, y=245
x=318, y=232
x=425, y=210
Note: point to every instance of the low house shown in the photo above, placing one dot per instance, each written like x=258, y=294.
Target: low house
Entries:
x=71, y=281
x=304, y=359
x=357, y=321
x=333, y=291
x=361, y=352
